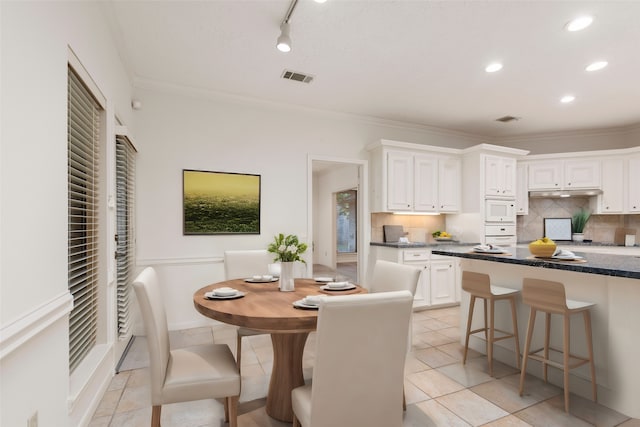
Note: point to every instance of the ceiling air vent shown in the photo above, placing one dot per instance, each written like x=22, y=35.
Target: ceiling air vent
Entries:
x=507, y=119
x=298, y=77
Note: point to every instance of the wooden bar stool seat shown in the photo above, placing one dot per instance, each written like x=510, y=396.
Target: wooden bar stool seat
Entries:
x=478, y=285
x=550, y=298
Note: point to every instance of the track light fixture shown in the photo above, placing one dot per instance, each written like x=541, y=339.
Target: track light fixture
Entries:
x=284, y=41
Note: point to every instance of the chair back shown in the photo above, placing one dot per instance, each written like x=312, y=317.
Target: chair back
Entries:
x=360, y=355
x=246, y=263
x=478, y=284
x=147, y=288
x=390, y=276
x=544, y=295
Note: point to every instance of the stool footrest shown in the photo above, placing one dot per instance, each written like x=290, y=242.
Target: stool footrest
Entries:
x=507, y=334
x=579, y=360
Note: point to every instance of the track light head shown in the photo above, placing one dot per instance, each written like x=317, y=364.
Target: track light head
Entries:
x=284, y=41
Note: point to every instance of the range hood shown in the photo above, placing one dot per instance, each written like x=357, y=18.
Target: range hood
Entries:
x=554, y=194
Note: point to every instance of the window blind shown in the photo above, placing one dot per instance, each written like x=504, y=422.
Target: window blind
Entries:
x=83, y=137
x=125, y=230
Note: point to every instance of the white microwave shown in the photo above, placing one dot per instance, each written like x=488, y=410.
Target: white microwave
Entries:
x=500, y=210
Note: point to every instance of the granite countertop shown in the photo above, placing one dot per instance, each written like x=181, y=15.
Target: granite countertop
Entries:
x=410, y=245
x=596, y=263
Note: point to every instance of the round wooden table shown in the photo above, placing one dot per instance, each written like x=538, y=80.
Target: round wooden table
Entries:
x=267, y=309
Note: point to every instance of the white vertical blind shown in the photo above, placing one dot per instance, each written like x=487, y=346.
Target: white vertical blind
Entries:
x=125, y=230
x=83, y=135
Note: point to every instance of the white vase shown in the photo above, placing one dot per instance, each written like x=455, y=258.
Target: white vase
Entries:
x=577, y=237
x=286, y=277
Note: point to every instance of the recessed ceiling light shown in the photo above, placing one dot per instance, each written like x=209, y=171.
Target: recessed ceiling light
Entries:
x=595, y=66
x=493, y=67
x=567, y=99
x=579, y=23
x=320, y=1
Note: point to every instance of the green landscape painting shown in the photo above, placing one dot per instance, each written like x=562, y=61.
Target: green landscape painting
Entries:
x=220, y=203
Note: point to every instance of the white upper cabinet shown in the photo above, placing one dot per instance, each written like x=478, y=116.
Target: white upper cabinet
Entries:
x=522, y=193
x=612, y=198
x=449, y=184
x=564, y=174
x=405, y=180
x=400, y=181
x=633, y=203
x=500, y=176
x=582, y=173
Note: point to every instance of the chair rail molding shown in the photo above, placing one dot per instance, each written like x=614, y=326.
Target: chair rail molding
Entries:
x=16, y=333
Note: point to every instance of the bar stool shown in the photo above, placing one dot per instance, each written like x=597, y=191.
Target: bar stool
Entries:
x=550, y=298
x=478, y=285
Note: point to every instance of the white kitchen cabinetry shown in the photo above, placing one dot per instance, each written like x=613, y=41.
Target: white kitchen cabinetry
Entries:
x=407, y=179
x=522, y=192
x=400, y=182
x=633, y=203
x=443, y=280
x=500, y=176
x=439, y=281
x=564, y=174
x=612, y=198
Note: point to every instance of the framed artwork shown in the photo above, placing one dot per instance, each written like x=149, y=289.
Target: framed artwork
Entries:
x=220, y=203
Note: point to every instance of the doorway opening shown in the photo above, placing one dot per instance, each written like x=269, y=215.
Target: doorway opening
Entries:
x=346, y=233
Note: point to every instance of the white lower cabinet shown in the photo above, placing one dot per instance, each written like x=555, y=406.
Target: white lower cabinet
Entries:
x=439, y=281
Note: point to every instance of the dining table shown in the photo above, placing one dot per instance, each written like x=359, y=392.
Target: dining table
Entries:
x=265, y=308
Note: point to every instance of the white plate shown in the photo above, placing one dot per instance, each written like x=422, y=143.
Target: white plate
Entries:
x=566, y=257
x=211, y=295
x=302, y=305
x=344, y=288
x=251, y=280
x=323, y=279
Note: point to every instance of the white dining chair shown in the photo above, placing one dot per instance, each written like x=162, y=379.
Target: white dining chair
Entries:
x=390, y=276
x=357, y=382
x=241, y=264
x=198, y=372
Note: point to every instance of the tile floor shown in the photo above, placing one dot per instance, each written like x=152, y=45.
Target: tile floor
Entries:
x=440, y=391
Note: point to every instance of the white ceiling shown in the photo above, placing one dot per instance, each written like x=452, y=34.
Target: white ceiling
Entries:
x=419, y=62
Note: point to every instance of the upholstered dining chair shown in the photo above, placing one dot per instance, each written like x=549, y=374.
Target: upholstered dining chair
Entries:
x=357, y=382
x=391, y=276
x=241, y=264
x=192, y=373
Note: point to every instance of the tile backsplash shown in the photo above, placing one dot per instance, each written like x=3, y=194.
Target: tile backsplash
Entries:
x=599, y=228
x=418, y=227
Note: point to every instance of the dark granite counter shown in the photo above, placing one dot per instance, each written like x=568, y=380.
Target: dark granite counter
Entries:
x=627, y=266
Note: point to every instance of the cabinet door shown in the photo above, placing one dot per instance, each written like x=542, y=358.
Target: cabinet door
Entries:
x=612, y=198
x=426, y=184
x=508, y=177
x=634, y=184
x=443, y=287
x=422, y=297
x=399, y=181
x=545, y=175
x=582, y=174
x=522, y=194
x=492, y=176
x=449, y=184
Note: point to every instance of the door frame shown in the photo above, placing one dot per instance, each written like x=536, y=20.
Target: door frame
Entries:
x=364, y=219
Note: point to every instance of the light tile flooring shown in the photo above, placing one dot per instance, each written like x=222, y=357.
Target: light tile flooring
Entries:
x=440, y=391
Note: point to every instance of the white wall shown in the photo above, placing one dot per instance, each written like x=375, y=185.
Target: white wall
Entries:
x=35, y=41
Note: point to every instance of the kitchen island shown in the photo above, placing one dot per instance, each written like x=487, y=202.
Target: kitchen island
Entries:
x=611, y=281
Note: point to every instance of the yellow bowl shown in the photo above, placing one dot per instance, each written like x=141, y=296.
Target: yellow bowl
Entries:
x=544, y=251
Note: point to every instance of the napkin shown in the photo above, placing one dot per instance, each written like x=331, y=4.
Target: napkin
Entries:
x=486, y=247
x=563, y=253
x=338, y=284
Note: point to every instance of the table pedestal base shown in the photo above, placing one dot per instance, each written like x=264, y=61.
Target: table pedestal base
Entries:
x=286, y=374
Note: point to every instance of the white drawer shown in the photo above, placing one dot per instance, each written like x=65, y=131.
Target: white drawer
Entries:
x=501, y=240
x=500, y=230
x=415, y=255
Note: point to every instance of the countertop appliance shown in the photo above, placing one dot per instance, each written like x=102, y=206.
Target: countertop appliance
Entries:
x=393, y=233
x=557, y=228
